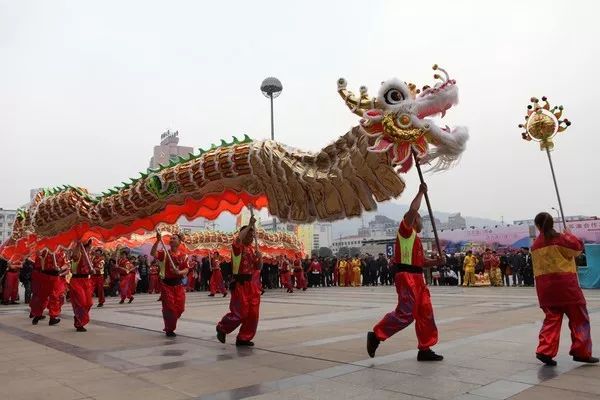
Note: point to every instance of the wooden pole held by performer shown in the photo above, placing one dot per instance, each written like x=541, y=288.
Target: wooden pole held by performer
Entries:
x=562, y=213
x=165, y=249
x=429, y=209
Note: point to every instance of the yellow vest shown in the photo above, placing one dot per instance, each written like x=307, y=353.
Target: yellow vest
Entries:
x=406, y=247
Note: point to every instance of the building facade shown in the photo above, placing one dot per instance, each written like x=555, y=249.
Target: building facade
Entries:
x=168, y=149
x=7, y=219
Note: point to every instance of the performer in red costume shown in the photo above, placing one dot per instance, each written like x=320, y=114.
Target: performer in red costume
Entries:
x=47, y=286
x=299, y=275
x=245, y=296
x=216, y=277
x=285, y=274
x=81, y=285
x=414, y=301
x=10, y=295
x=125, y=282
x=553, y=255
x=174, y=266
x=153, y=277
x=191, y=280
x=98, y=275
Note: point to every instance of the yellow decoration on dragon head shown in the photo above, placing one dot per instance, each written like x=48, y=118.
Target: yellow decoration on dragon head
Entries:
x=542, y=123
x=397, y=119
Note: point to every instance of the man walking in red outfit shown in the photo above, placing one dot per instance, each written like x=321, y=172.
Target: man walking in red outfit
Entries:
x=414, y=301
x=47, y=286
x=558, y=291
x=125, y=268
x=81, y=285
x=10, y=294
x=299, y=275
x=245, y=295
x=174, y=266
x=98, y=275
x=216, y=277
x=153, y=278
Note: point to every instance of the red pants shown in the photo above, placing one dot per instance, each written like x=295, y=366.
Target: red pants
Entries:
x=125, y=286
x=348, y=277
x=191, y=282
x=173, y=305
x=132, y=284
x=300, y=280
x=244, y=309
x=81, y=300
x=98, y=287
x=414, y=303
x=46, y=294
x=216, y=282
x=11, y=286
x=154, y=284
x=579, y=324
x=286, y=281
x=57, y=297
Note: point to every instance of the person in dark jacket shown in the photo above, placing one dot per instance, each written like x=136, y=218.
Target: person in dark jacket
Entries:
x=25, y=278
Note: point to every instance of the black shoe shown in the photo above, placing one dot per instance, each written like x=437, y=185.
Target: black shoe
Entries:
x=100, y=305
x=35, y=320
x=80, y=329
x=428, y=355
x=372, y=344
x=14, y=302
x=122, y=302
x=221, y=336
x=545, y=359
x=4, y=303
x=225, y=294
x=159, y=299
x=30, y=315
x=130, y=300
x=53, y=321
x=211, y=295
x=244, y=343
x=589, y=360
x=304, y=289
x=170, y=334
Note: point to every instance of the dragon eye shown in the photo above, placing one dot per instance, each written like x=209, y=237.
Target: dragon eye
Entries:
x=393, y=96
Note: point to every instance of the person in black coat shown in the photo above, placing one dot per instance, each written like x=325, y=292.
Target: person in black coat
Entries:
x=25, y=278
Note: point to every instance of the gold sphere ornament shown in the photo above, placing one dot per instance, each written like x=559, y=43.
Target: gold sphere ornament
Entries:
x=542, y=123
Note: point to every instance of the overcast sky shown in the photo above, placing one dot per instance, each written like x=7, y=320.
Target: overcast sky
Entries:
x=86, y=88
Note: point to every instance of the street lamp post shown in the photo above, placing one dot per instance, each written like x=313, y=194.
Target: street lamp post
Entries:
x=271, y=88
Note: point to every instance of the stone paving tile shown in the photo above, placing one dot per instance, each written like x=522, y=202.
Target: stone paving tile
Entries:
x=575, y=383
x=371, y=378
x=430, y=387
x=500, y=389
x=549, y=393
x=38, y=389
x=486, y=336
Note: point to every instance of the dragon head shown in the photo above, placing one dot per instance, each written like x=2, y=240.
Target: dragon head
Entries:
x=396, y=117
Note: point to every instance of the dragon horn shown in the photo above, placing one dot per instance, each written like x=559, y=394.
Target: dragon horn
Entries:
x=358, y=105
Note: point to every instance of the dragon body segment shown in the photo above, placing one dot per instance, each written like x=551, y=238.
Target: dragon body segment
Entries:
x=342, y=180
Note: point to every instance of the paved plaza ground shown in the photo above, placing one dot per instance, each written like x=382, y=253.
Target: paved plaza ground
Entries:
x=310, y=345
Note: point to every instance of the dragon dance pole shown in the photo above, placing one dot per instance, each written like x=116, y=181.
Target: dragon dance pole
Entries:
x=429, y=209
x=87, y=257
x=542, y=123
x=165, y=249
x=562, y=213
